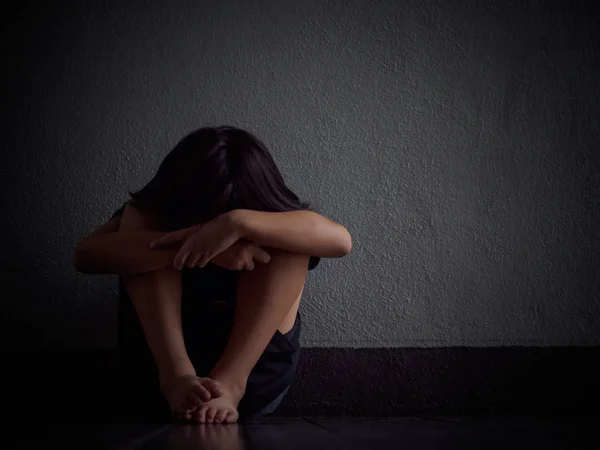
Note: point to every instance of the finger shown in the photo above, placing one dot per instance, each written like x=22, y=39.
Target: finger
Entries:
x=249, y=264
x=193, y=260
x=213, y=386
x=261, y=256
x=204, y=260
x=181, y=256
x=171, y=238
x=212, y=252
x=201, y=392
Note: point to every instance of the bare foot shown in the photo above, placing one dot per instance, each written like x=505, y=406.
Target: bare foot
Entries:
x=186, y=393
x=222, y=409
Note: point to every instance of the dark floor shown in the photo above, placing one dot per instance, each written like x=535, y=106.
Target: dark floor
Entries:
x=315, y=433
x=474, y=393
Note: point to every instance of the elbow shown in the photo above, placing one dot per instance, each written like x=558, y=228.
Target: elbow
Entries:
x=81, y=259
x=344, y=246
x=337, y=237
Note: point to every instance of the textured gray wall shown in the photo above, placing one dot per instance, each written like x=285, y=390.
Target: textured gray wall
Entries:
x=458, y=141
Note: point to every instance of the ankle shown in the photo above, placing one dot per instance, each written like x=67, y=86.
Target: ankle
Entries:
x=176, y=369
x=236, y=385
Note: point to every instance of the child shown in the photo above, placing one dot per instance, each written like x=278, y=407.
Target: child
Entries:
x=212, y=255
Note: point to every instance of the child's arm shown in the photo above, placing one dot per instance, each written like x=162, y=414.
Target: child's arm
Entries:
x=122, y=252
x=296, y=231
x=110, y=251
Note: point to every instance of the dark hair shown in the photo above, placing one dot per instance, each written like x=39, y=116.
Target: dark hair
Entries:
x=214, y=170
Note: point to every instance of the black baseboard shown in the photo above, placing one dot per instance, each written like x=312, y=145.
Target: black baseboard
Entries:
x=452, y=380
x=338, y=381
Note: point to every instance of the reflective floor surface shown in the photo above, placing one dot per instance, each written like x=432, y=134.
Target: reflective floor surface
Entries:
x=339, y=433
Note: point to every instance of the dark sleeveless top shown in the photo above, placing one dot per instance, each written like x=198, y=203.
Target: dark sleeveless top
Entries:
x=207, y=307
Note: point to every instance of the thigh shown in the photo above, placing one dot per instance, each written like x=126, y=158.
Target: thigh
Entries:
x=290, y=318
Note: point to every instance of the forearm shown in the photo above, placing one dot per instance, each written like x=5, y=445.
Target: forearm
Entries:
x=296, y=231
x=122, y=252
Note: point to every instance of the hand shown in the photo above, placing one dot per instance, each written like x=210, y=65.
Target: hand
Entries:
x=184, y=393
x=206, y=388
x=200, y=243
x=241, y=256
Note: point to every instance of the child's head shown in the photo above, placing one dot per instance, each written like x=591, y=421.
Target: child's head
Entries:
x=214, y=170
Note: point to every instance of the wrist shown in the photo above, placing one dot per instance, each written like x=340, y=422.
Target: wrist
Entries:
x=238, y=220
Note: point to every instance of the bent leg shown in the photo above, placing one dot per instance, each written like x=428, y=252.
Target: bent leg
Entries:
x=267, y=299
x=156, y=297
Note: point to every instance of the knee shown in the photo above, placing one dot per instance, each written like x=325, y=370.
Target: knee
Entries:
x=289, y=259
x=285, y=273
x=283, y=264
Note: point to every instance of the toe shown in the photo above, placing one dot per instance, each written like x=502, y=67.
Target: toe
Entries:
x=189, y=402
x=231, y=417
x=220, y=416
x=210, y=415
x=201, y=415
